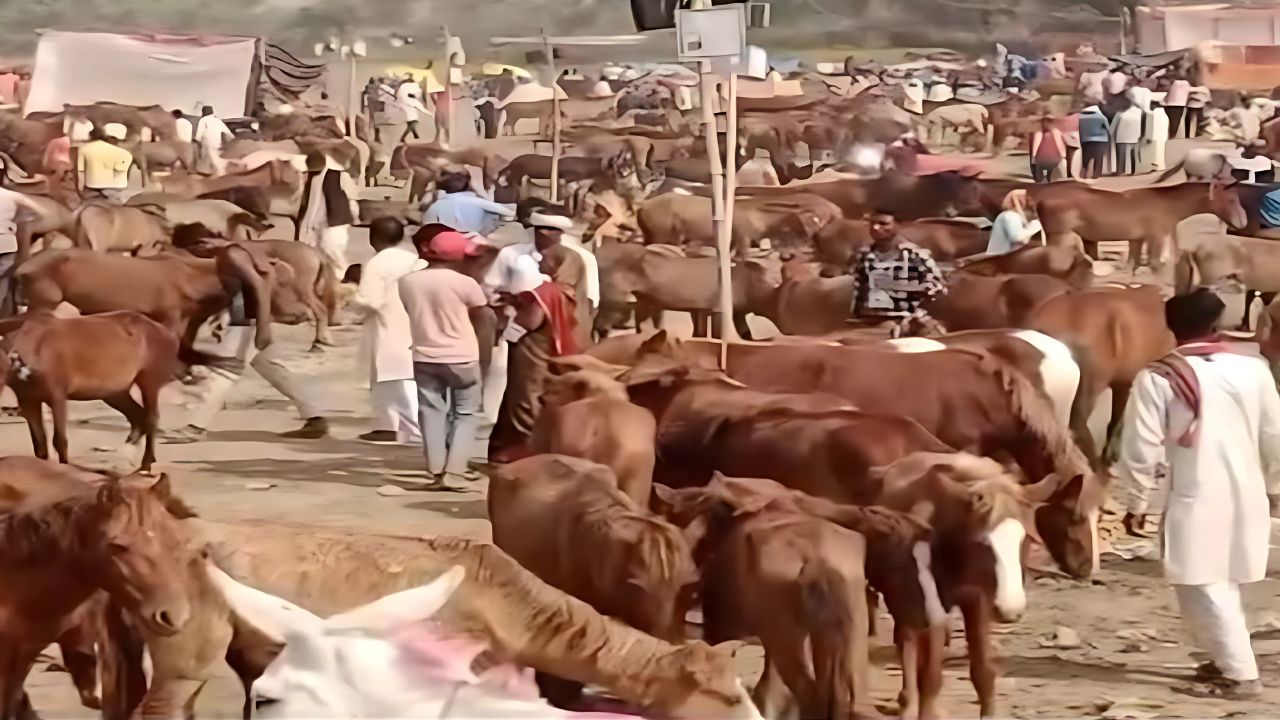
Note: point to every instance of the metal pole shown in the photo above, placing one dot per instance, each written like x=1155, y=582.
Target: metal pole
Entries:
x=727, y=329
x=555, y=119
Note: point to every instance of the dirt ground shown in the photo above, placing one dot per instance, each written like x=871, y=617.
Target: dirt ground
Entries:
x=1111, y=648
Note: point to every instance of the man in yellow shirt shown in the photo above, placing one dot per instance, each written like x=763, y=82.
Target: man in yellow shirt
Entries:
x=103, y=165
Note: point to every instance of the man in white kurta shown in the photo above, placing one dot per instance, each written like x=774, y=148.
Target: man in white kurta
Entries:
x=393, y=393
x=211, y=133
x=1211, y=411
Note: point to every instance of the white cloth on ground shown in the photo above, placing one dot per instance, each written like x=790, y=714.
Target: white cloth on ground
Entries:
x=1217, y=523
x=1215, y=616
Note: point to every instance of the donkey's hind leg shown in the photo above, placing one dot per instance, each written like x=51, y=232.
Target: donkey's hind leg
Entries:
x=132, y=411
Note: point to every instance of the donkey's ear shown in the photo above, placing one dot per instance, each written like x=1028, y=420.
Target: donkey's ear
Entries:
x=403, y=608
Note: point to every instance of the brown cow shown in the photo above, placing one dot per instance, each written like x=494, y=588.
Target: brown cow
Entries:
x=545, y=509
x=685, y=220
x=1115, y=333
x=588, y=415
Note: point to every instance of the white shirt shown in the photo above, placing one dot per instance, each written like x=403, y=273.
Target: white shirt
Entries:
x=502, y=272
x=1010, y=231
x=574, y=243
x=1217, y=523
x=1178, y=93
x=409, y=98
x=78, y=130
x=1126, y=127
x=10, y=202
x=182, y=130
x=211, y=131
x=379, y=293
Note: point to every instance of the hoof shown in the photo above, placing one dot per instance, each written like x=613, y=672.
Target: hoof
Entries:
x=318, y=347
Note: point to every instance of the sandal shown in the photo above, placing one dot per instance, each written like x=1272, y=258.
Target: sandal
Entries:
x=1222, y=689
x=1208, y=672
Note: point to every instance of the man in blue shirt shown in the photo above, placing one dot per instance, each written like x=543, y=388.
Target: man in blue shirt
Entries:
x=462, y=209
x=1095, y=141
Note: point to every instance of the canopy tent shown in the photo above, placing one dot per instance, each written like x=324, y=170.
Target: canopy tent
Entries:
x=172, y=71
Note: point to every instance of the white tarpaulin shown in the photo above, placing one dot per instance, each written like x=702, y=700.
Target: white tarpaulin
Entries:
x=174, y=72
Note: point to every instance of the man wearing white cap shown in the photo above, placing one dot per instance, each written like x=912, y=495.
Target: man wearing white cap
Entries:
x=102, y=165
x=550, y=225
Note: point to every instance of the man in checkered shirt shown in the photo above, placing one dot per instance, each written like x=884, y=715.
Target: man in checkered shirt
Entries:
x=893, y=278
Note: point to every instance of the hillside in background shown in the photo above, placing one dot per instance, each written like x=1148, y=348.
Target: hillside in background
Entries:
x=798, y=24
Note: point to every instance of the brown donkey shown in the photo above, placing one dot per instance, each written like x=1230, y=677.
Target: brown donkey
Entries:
x=792, y=578
x=55, y=557
x=50, y=360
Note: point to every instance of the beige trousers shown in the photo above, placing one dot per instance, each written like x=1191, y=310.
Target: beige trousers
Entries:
x=215, y=385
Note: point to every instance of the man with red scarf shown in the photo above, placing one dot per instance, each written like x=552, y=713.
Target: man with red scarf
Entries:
x=1211, y=412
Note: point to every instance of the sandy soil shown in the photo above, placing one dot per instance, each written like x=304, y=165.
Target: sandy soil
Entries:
x=1110, y=648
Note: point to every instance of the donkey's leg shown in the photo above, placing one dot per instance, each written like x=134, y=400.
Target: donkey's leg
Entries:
x=1119, y=400
x=33, y=412
x=150, y=388
x=982, y=670
x=58, y=408
x=132, y=411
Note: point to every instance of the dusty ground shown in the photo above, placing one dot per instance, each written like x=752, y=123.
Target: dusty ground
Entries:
x=1127, y=651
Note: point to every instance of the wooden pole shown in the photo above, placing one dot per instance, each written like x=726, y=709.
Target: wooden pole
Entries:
x=555, y=119
x=728, y=331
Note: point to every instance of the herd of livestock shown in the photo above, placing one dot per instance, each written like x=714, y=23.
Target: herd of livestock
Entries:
x=782, y=488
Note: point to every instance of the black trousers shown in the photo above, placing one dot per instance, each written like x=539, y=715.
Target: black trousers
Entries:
x=1175, y=113
x=1094, y=157
x=1195, y=115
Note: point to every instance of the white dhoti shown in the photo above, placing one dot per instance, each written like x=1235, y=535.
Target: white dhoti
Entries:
x=395, y=407
x=333, y=245
x=210, y=158
x=1215, y=616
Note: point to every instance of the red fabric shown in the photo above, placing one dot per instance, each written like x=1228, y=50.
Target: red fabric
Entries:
x=559, y=311
x=1182, y=377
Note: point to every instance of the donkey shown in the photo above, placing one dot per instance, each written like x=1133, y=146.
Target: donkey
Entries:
x=55, y=556
x=49, y=360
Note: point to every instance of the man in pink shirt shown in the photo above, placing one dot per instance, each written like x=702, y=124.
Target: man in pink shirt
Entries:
x=444, y=307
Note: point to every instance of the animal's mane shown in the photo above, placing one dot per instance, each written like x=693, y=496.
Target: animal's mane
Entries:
x=998, y=491
x=1042, y=425
x=47, y=532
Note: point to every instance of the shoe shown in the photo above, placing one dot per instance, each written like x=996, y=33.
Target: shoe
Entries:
x=379, y=436
x=313, y=429
x=184, y=435
x=1208, y=672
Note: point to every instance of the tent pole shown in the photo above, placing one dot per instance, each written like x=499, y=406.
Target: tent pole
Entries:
x=708, y=92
